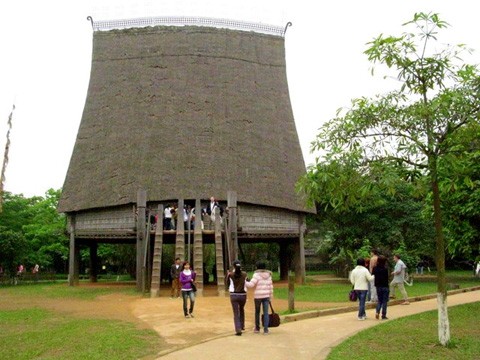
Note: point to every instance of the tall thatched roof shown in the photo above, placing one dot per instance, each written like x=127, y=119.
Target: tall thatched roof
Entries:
x=185, y=112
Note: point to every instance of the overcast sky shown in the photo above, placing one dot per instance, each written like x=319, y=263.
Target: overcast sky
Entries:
x=46, y=49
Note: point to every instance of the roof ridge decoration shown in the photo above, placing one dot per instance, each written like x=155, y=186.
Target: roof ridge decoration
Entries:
x=105, y=25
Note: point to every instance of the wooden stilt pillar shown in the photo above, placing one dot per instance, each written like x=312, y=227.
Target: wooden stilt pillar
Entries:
x=198, y=247
x=141, y=224
x=219, y=254
x=93, y=262
x=284, y=257
x=300, y=252
x=232, y=222
x=180, y=238
x=73, y=261
x=157, y=256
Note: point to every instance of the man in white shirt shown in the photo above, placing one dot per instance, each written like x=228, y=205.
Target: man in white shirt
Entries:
x=167, y=218
x=210, y=209
x=398, y=278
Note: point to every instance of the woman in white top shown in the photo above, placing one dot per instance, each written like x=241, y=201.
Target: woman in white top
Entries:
x=360, y=277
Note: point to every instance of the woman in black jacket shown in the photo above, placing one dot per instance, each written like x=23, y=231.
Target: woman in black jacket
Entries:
x=238, y=295
x=381, y=283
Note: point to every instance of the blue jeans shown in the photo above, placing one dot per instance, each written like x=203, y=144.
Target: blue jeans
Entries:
x=362, y=297
x=382, y=294
x=265, y=303
x=185, y=295
x=238, y=305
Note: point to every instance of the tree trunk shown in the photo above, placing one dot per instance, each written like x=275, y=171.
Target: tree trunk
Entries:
x=443, y=323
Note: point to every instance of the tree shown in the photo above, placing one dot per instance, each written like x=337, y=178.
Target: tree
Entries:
x=12, y=246
x=45, y=232
x=5, y=158
x=461, y=199
x=415, y=126
x=375, y=214
x=42, y=228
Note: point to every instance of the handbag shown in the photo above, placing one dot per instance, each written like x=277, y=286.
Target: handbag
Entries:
x=273, y=318
x=194, y=287
x=352, y=295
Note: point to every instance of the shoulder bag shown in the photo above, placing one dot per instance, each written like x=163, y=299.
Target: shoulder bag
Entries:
x=273, y=318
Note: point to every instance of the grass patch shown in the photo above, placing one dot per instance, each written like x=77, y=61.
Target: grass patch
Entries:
x=56, y=291
x=338, y=292
x=325, y=292
x=415, y=338
x=41, y=334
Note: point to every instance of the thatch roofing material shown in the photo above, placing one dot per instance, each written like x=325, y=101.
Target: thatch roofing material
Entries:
x=185, y=112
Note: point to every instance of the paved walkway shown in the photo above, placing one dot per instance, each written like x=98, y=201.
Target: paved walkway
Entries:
x=306, y=339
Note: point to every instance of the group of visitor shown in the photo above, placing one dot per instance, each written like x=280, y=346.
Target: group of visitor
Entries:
x=172, y=216
x=184, y=283
x=238, y=282
x=371, y=278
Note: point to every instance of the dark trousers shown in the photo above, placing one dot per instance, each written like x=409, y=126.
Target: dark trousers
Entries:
x=167, y=223
x=264, y=303
x=382, y=294
x=238, y=305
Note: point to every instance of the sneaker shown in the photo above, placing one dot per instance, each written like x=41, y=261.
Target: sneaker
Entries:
x=256, y=331
x=186, y=316
x=360, y=318
x=238, y=333
x=266, y=332
x=384, y=318
x=191, y=315
x=377, y=315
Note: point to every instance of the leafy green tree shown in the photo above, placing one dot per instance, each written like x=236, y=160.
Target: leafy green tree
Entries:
x=37, y=222
x=45, y=232
x=12, y=249
x=16, y=211
x=415, y=126
x=461, y=197
x=384, y=219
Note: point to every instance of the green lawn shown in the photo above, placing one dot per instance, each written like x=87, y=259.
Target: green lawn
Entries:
x=34, y=333
x=62, y=290
x=338, y=292
x=39, y=334
x=415, y=338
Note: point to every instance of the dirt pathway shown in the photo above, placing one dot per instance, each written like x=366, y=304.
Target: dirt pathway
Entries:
x=213, y=317
x=307, y=339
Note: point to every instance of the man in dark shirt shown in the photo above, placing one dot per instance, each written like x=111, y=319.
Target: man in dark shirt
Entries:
x=174, y=274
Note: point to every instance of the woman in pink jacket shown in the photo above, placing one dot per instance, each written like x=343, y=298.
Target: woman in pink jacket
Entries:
x=262, y=282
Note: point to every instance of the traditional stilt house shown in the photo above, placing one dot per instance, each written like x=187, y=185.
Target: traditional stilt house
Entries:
x=179, y=110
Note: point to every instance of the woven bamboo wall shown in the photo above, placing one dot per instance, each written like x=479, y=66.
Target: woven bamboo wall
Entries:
x=258, y=219
x=117, y=220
